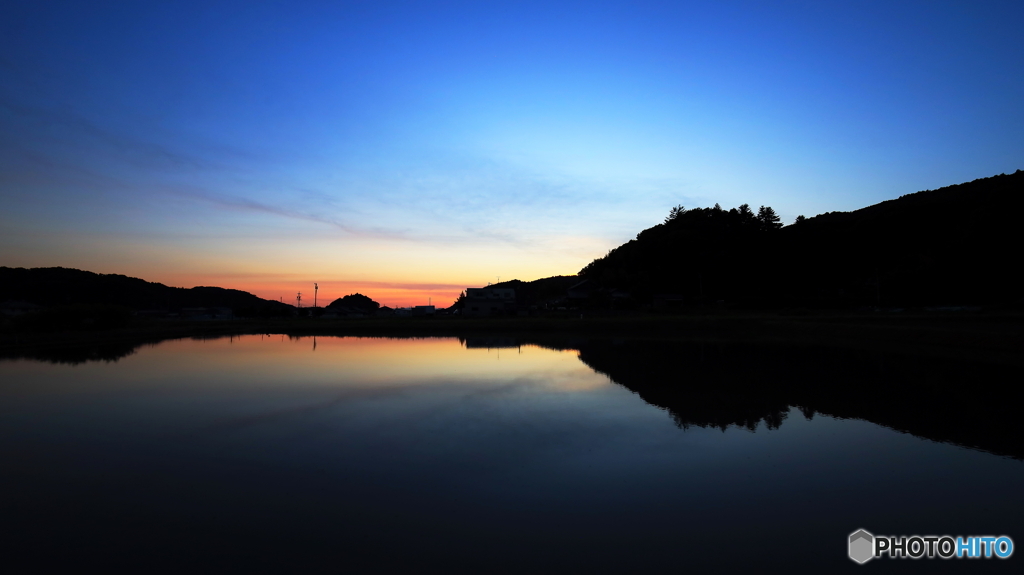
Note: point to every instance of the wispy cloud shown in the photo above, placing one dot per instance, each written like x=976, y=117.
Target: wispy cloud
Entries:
x=404, y=285
x=72, y=127
x=510, y=203
x=423, y=234
x=250, y=205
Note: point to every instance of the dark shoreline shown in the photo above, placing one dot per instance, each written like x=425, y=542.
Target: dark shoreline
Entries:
x=986, y=337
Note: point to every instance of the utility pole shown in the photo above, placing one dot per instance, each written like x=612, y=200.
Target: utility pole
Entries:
x=315, y=288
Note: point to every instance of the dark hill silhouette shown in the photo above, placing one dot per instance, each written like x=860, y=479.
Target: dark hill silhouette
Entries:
x=71, y=287
x=355, y=301
x=538, y=291
x=952, y=246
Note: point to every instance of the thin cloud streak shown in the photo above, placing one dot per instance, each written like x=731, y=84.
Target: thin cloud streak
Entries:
x=403, y=286
x=135, y=151
x=246, y=204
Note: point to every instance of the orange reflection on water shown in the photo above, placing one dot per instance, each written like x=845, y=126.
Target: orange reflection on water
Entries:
x=281, y=361
x=385, y=360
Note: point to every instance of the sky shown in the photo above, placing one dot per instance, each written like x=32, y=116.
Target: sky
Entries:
x=408, y=150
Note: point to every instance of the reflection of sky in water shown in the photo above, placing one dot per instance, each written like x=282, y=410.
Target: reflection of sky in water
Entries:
x=454, y=457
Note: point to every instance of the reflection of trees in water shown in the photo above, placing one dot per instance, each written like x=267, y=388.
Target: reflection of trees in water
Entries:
x=723, y=385
x=78, y=353
x=718, y=385
x=772, y=420
x=696, y=383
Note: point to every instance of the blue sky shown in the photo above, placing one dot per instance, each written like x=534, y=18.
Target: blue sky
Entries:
x=408, y=149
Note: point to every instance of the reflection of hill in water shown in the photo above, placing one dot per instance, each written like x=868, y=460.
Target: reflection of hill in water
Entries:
x=85, y=351
x=80, y=352
x=718, y=385
x=722, y=385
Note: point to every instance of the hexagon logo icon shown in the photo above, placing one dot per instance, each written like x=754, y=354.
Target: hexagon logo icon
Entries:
x=861, y=543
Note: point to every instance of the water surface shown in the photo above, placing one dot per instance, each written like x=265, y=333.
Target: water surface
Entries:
x=270, y=453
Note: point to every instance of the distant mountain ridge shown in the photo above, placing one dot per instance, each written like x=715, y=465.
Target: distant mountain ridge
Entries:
x=66, y=286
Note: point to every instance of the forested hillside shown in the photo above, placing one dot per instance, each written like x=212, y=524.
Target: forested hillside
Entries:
x=957, y=245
